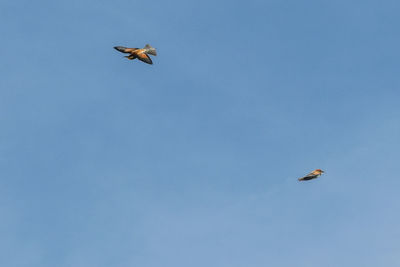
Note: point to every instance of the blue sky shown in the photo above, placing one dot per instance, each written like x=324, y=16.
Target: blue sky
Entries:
x=194, y=161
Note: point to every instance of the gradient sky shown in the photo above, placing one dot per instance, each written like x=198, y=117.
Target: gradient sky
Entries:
x=194, y=161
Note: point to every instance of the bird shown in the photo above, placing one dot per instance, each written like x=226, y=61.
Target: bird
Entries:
x=312, y=175
x=139, y=53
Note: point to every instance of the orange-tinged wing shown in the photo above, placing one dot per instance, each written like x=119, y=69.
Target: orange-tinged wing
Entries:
x=145, y=58
x=131, y=56
x=125, y=49
x=312, y=175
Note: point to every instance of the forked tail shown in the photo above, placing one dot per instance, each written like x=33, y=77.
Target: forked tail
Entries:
x=150, y=50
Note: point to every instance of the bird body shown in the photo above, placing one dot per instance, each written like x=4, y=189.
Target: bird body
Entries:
x=312, y=175
x=140, y=53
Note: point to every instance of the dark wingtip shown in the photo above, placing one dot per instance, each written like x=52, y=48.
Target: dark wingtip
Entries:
x=120, y=48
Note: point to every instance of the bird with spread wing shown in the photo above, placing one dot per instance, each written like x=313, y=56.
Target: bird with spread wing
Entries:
x=312, y=175
x=139, y=53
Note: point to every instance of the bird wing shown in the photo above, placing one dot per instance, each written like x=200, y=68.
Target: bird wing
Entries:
x=312, y=174
x=309, y=176
x=123, y=49
x=145, y=58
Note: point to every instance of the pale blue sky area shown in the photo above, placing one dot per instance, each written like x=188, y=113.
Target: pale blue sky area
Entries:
x=193, y=161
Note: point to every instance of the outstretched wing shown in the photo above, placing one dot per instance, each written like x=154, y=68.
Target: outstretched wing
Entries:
x=310, y=176
x=145, y=58
x=125, y=49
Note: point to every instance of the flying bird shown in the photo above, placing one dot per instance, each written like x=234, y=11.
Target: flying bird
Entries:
x=139, y=53
x=312, y=175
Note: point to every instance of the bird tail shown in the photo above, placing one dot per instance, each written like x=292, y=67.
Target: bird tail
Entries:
x=120, y=48
x=150, y=50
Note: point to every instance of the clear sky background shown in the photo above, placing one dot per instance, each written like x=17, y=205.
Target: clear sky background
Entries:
x=194, y=161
